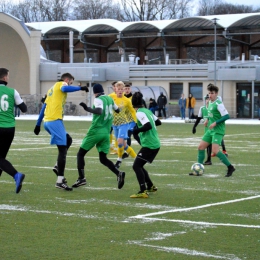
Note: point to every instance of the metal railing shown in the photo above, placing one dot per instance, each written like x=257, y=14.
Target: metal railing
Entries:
x=34, y=105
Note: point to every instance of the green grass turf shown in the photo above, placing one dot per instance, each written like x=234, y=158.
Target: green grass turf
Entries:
x=95, y=221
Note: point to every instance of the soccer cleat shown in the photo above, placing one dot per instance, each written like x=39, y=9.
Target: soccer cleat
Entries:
x=140, y=194
x=213, y=155
x=18, y=177
x=63, y=186
x=79, y=182
x=225, y=152
x=121, y=179
x=207, y=163
x=113, y=151
x=230, y=171
x=152, y=189
x=118, y=164
x=125, y=155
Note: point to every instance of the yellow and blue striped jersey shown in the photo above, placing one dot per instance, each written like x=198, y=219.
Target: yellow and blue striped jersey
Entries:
x=131, y=115
x=124, y=104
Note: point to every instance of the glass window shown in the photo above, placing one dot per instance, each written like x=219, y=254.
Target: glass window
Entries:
x=196, y=90
x=176, y=89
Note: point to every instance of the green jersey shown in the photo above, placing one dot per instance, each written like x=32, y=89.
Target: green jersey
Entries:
x=149, y=139
x=7, y=102
x=216, y=110
x=101, y=124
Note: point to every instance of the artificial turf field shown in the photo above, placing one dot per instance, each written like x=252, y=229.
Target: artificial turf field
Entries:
x=207, y=217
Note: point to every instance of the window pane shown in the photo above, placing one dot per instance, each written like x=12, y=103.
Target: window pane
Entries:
x=196, y=90
x=176, y=89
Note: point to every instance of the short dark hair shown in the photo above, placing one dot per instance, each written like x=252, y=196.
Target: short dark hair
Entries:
x=127, y=85
x=3, y=72
x=113, y=83
x=67, y=76
x=137, y=99
x=212, y=87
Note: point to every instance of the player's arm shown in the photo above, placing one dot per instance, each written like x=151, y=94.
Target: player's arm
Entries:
x=157, y=121
x=146, y=125
x=37, y=128
x=19, y=102
x=66, y=88
x=116, y=108
x=197, y=121
x=98, y=110
x=224, y=115
x=131, y=110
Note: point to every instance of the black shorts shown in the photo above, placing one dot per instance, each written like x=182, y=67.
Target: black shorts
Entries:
x=147, y=154
x=6, y=139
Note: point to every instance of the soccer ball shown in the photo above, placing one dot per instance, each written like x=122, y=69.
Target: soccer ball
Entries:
x=197, y=169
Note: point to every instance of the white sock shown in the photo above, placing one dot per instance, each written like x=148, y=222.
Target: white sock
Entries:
x=60, y=178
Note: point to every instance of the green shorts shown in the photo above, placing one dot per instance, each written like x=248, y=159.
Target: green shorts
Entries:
x=101, y=141
x=212, y=138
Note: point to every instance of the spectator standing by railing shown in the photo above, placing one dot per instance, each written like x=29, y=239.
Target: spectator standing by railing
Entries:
x=190, y=104
x=182, y=105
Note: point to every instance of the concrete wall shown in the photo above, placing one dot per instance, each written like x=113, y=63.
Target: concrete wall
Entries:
x=20, y=53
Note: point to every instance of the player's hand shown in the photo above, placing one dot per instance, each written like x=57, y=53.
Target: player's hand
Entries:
x=212, y=125
x=37, y=129
x=194, y=130
x=85, y=88
x=83, y=105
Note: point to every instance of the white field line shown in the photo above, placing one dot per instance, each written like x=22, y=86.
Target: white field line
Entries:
x=195, y=208
x=202, y=223
x=26, y=209
x=186, y=251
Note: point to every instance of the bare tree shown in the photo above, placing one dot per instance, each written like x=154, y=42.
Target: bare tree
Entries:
x=233, y=9
x=92, y=9
x=207, y=7
x=147, y=10
x=211, y=7
x=42, y=10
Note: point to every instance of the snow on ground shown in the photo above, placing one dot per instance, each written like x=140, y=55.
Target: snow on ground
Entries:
x=168, y=120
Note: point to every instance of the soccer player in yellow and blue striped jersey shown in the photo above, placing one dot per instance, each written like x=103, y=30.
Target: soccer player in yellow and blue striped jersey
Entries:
x=113, y=148
x=120, y=122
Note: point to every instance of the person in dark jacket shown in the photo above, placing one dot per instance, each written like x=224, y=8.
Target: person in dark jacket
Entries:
x=153, y=105
x=161, y=101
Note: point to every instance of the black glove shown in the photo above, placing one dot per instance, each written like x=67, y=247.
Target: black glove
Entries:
x=37, y=129
x=194, y=130
x=84, y=88
x=83, y=105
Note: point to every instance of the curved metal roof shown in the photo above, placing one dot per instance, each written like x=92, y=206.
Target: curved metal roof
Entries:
x=103, y=26
x=247, y=22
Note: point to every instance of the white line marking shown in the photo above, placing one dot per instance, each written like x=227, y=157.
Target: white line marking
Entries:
x=194, y=208
x=186, y=251
x=202, y=223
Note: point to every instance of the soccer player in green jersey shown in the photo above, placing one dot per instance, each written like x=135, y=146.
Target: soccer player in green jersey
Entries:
x=146, y=122
x=9, y=97
x=217, y=115
x=203, y=114
x=98, y=135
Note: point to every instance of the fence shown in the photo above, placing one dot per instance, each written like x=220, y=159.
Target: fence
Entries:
x=34, y=105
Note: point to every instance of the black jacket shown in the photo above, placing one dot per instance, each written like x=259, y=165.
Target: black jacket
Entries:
x=162, y=101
